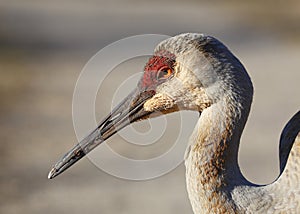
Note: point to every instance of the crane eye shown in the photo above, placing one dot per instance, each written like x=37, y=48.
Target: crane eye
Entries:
x=164, y=73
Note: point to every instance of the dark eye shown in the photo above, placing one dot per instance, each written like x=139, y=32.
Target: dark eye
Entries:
x=164, y=73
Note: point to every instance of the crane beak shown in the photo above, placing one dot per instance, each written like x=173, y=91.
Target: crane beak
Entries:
x=129, y=110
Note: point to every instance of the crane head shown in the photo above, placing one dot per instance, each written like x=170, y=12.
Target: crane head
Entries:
x=181, y=75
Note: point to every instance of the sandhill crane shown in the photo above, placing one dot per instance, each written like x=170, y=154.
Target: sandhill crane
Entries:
x=197, y=72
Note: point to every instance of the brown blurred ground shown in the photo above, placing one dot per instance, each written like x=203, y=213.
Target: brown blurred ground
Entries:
x=43, y=47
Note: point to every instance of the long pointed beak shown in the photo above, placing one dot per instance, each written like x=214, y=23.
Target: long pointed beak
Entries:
x=129, y=110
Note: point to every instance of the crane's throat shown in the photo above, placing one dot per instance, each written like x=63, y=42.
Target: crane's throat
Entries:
x=211, y=162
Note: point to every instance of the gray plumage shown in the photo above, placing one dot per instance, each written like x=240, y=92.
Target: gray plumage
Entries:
x=214, y=181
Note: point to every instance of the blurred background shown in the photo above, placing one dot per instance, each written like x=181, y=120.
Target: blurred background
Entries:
x=45, y=44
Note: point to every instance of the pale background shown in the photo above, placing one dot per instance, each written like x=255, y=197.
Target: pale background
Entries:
x=45, y=44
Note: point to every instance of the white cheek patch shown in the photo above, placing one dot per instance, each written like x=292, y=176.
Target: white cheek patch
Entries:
x=158, y=102
x=185, y=94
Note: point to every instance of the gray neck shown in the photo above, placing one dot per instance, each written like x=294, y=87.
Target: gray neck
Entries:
x=212, y=169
